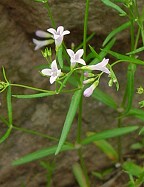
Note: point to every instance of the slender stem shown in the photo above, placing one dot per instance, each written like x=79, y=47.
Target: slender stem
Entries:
x=119, y=125
x=35, y=133
x=79, y=128
x=84, y=168
x=29, y=87
x=85, y=28
x=50, y=15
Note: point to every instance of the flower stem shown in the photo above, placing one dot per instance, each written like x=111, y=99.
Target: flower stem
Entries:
x=29, y=87
x=85, y=28
x=50, y=15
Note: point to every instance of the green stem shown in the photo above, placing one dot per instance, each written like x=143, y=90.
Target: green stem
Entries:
x=85, y=28
x=35, y=133
x=50, y=15
x=29, y=87
x=84, y=168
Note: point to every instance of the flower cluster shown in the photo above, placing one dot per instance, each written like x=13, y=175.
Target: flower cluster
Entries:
x=75, y=57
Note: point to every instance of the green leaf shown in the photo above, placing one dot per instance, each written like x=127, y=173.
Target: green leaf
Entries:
x=59, y=56
x=9, y=105
x=104, y=51
x=41, y=1
x=95, y=53
x=79, y=175
x=69, y=118
x=132, y=168
x=126, y=58
x=130, y=87
x=109, y=134
x=40, y=154
x=136, y=51
x=138, y=113
x=116, y=31
x=104, y=98
x=6, y=135
x=105, y=147
x=114, y=6
x=32, y=96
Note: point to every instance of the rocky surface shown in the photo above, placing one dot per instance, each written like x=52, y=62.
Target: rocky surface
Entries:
x=18, y=21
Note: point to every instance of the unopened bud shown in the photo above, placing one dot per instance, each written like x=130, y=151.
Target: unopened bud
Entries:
x=140, y=90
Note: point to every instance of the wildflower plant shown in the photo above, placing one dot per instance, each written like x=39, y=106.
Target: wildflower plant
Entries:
x=72, y=66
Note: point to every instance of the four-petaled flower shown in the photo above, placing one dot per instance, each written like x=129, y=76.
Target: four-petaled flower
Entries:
x=76, y=57
x=58, y=34
x=100, y=66
x=54, y=72
x=42, y=43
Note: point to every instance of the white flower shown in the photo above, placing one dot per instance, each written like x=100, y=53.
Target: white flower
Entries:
x=76, y=57
x=58, y=34
x=89, y=91
x=41, y=43
x=100, y=66
x=54, y=73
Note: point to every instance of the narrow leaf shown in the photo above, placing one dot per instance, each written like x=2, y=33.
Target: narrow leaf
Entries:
x=59, y=56
x=105, y=147
x=9, y=105
x=6, y=135
x=114, y=6
x=104, y=98
x=32, y=96
x=136, y=51
x=126, y=58
x=79, y=175
x=95, y=53
x=69, y=118
x=138, y=113
x=116, y=31
x=109, y=134
x=130, y=87
x=40, y=154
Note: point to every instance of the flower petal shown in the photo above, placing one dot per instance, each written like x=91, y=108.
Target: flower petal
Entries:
x=53, y=79
x=70, y=52
x=66, y=32
x=81, y=61
x=60, y=30
x=89, y=91
x=104, y=62
x=43, y=34
x=46, y=72
x=54, y=66
x=58, y=41
x=40, y=43
x=79, y=53
x=51, y=30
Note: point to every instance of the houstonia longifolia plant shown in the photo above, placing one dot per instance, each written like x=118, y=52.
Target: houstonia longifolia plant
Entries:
x=75, y=71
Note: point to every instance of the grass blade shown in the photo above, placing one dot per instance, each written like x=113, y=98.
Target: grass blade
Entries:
x=109, y=134
x=9, y=105
x=79, y=175
x=69, y=118
x=40, y=154
x=6, y=135
x=32, y=96
x=116, y=31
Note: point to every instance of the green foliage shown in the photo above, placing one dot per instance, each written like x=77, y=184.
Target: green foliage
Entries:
x=108, y=134
x=69, y=118
x=41, y=154
x=79, y=175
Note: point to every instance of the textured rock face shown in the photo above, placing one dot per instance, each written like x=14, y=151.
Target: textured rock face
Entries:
x=18, y=21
